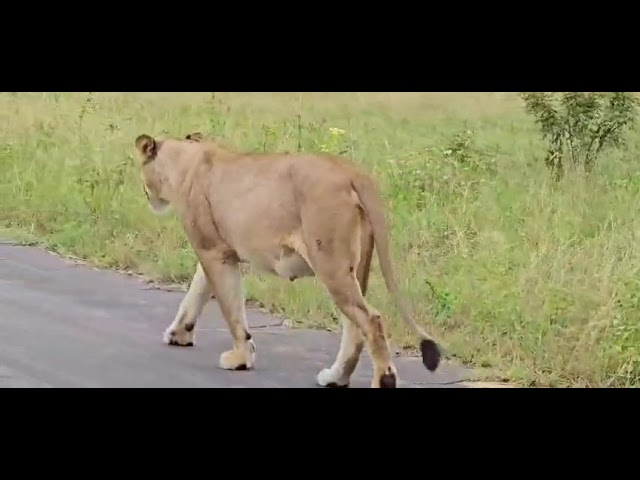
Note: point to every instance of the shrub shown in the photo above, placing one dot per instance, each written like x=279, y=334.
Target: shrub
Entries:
x=580, y=125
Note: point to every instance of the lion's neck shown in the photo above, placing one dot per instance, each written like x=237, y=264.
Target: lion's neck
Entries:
x=174, y=173
x=175, y=180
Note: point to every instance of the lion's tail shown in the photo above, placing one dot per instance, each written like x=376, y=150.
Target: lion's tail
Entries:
x=372, y=202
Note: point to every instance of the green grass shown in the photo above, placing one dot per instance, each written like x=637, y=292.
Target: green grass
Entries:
x=535, y=282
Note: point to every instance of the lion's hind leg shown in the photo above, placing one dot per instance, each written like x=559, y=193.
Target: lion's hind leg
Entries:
x=346, y=293
x=352, y=341
x=334, y=249
x=351, y=346
x=181, y=332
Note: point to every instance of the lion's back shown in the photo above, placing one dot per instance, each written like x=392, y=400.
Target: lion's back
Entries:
x=319, y=176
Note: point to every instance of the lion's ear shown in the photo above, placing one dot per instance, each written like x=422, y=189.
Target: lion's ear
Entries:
x=195, y=136
x=146, y=145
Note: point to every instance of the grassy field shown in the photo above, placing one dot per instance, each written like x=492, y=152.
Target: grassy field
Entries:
x=536, y=283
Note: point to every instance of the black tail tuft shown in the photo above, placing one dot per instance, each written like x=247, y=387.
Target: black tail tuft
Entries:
x=388, y=380
x=430, y=354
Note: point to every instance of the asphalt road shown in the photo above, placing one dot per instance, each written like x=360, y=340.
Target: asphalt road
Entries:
x=67, y=325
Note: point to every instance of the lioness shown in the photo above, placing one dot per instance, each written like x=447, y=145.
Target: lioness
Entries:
x=293, y=215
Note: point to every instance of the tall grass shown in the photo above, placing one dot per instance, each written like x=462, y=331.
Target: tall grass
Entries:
x=534, y=280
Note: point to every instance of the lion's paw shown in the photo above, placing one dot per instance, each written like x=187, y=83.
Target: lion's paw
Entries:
x=329, y=378
x=239, y=359
x=179, y=337
x=385, y=379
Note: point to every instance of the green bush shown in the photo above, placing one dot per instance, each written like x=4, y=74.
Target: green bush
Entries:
x=580, y=125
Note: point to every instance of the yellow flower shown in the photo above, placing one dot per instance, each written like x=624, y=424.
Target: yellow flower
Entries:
x=336, y=131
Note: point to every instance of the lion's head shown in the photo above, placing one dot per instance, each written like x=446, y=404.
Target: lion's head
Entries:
x=153, y=186
x=166, y=161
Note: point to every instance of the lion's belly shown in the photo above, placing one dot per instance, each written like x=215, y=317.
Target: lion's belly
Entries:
x=267, y=234
x=292, y=265
x=283, y=262
x=280, y=257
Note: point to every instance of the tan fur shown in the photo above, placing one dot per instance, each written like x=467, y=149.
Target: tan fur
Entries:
x=292, y=215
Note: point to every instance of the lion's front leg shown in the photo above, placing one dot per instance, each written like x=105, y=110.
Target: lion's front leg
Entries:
x=181, y=332
x=226, y=279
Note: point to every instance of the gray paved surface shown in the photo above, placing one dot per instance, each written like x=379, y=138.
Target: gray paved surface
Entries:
x=67, y=325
